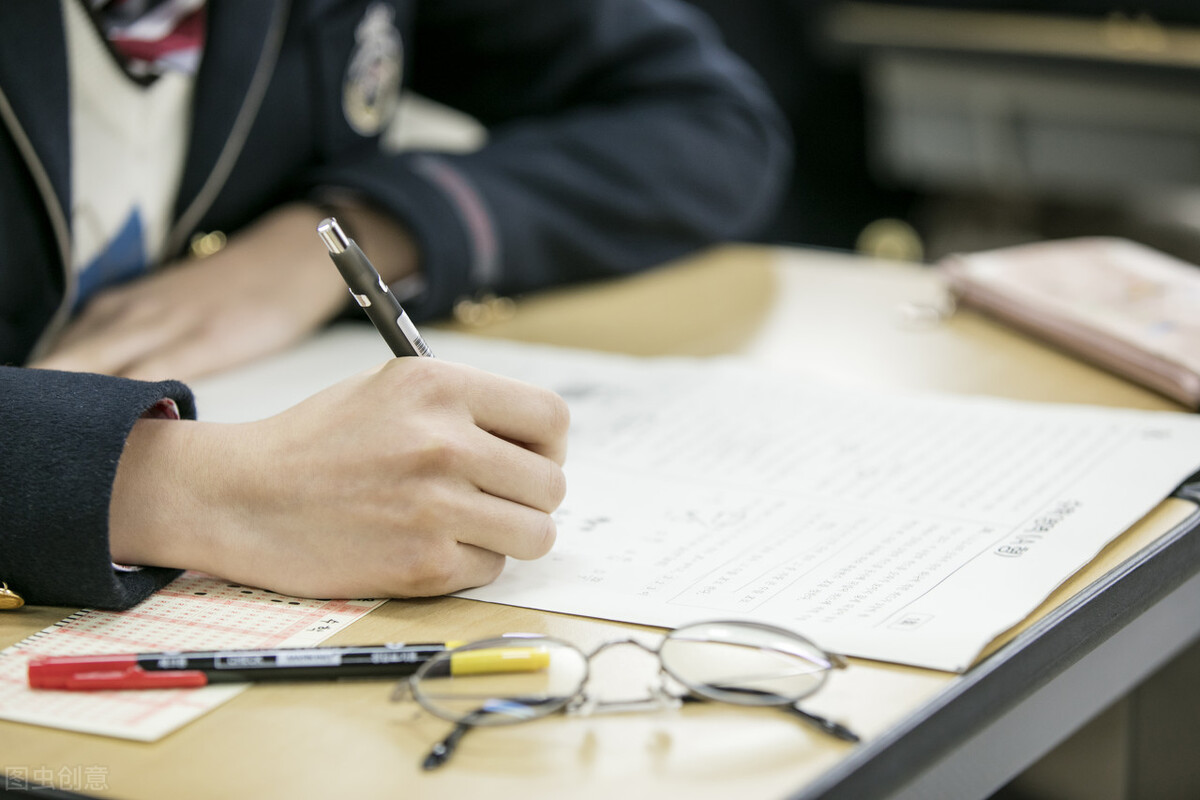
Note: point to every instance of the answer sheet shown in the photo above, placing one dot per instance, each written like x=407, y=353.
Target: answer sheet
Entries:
x=900, y=527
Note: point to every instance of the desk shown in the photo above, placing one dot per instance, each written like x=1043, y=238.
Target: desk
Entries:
x=926, y=734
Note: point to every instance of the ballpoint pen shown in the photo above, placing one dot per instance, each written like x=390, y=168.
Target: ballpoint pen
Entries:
x=370, y=291
x=173, y=670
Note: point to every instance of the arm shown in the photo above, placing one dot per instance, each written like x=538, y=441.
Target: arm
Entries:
x=61, y=436
x=417, y=478
x=414, y=479
x=621, y=135
x=268, y=288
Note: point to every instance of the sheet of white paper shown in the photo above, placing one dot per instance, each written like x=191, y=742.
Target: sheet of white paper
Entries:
x=908, y=528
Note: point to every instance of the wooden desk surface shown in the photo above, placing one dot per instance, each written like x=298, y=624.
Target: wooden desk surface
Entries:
x=822, y=313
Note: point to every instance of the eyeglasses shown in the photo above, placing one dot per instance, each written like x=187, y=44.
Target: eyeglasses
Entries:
x=514, y=679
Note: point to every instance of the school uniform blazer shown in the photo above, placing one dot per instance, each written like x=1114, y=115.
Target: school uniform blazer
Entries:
x=620, y=135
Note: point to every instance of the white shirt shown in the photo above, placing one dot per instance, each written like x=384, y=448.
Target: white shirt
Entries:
x=128, y=142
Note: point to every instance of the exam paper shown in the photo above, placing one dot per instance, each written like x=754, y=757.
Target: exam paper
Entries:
x=907, y=528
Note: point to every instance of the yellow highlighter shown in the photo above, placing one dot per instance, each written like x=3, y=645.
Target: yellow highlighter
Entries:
x=492, y=660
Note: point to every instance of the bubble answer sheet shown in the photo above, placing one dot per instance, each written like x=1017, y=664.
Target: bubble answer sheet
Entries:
x=911, y=528
x=193, y=612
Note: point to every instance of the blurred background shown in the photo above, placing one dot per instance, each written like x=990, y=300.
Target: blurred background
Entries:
x=929, y=126
x=924, y=127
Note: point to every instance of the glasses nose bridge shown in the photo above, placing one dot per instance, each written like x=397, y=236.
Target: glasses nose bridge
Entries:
x=615, y=687
x=614, y=643
x=595, y=678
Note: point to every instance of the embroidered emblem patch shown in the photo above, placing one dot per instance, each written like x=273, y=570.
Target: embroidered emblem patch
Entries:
x=371, y=90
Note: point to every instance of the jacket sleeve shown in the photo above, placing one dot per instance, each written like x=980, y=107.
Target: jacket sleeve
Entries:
x=61, y=436
x=621, y=134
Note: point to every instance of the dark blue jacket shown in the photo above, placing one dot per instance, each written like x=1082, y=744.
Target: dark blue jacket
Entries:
x=620, y=135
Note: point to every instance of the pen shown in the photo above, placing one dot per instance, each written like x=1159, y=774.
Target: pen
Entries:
x=172, y=670
x=369, y=290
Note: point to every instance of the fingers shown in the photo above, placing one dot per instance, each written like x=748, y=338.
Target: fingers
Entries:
x=96, y=315
x=122, y=352
x=449, y=541
x=484, y=490
x=202, y=349
x=476, y=567
x=505, y=437
x=117, y=332
x=431, y=573
x=522, y=477
x=507, y=528
x=144, y=340
x=478, y=461
x=455, y=540
x=270, y=287
x=533, y=417
x=530, y=416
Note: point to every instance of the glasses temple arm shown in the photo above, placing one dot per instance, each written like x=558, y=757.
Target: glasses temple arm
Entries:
x=834, y=729
x=442, y=751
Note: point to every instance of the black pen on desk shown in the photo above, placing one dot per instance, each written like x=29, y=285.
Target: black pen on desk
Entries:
x=184, y=669
x=370, y=291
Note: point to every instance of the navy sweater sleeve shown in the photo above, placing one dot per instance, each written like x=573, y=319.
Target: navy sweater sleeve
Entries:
x=62, y=435
x=621, y=134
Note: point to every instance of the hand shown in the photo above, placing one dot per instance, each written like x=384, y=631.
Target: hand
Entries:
x=417, y=478
x=271, y=286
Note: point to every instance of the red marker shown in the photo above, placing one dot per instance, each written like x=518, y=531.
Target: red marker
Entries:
x=188, y=669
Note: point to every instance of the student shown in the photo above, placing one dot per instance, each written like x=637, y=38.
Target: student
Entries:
x=621, y=135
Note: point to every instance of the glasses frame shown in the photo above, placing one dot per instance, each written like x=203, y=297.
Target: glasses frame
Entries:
x=583, y=703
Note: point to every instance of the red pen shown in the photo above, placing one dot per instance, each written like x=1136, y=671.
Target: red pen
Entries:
x=175, y=670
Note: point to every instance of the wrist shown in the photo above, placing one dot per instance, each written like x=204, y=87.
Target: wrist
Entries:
x=170, y=490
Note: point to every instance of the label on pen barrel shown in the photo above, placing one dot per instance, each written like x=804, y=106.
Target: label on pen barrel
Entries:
x=298, y=658
x=308, y=658
x=413, y=336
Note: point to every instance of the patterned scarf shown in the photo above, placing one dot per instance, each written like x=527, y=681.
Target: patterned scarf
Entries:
x=153, y=36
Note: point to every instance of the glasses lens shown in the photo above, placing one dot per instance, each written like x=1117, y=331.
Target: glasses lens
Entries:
x=744, y=663
x=500, y=681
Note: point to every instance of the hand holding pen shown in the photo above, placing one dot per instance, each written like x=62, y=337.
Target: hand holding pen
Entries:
x=416, y=478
